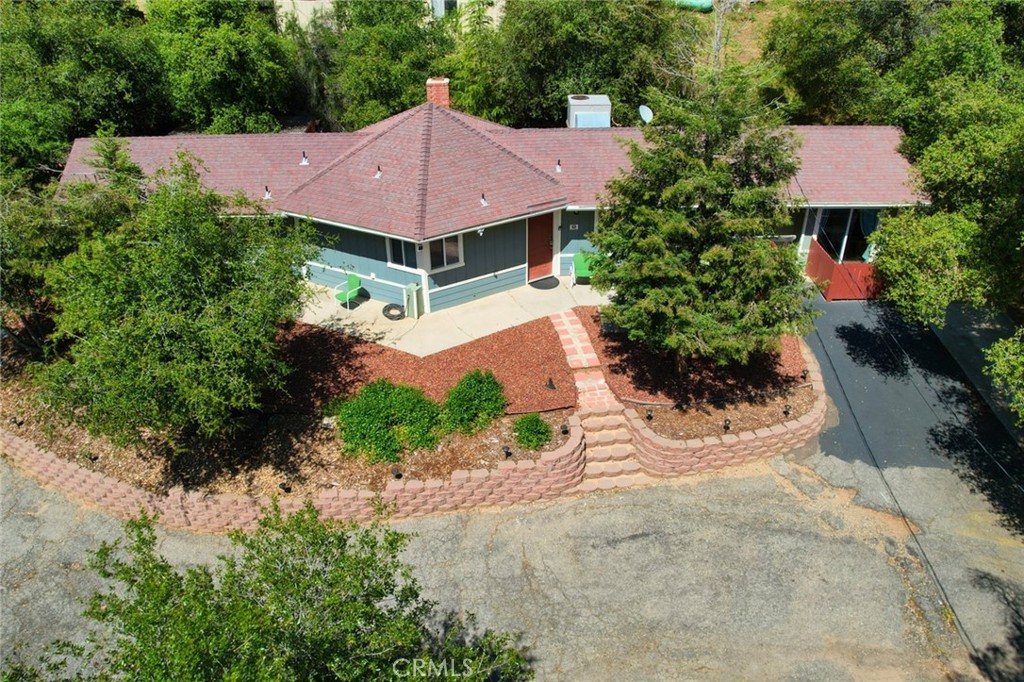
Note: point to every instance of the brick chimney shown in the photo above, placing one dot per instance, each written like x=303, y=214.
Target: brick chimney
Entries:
x=437, y=92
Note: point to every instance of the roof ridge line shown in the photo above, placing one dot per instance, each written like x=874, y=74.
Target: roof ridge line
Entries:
x=424, y=173
x=402, y=118
x=490, y=140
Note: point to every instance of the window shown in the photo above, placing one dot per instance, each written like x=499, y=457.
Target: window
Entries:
x=446, y=253
x=402, y=253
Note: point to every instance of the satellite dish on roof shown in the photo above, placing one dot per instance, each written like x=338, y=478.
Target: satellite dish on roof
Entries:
x=646, y=115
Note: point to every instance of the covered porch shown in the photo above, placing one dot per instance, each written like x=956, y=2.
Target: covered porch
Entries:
x=834, y=242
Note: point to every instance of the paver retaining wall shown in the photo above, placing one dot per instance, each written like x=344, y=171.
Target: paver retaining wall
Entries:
x=523, y=481
x=659, y=456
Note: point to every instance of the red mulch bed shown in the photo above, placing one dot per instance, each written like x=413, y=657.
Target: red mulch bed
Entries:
x=329, y=363
x=637, y=374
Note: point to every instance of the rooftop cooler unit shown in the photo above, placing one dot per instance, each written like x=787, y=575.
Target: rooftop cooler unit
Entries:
x=589, y=111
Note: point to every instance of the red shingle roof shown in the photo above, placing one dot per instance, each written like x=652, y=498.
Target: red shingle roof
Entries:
x=437, y=170
x=435, y=164
x=234, y=163
x=852, y=165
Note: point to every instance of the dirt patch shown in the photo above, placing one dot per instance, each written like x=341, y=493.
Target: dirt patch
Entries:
x=638, y=374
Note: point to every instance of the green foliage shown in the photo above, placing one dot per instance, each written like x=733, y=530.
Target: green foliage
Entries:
x=382, y=420
x=1006, y=358
x=473, y=403
x=919, y=262
x=531, y=431
x=69, y=65
x=681, y=236
x=547, y=50
x=366, y=60
x=299, y=599
x=228, y=69
x=171, y=316
x=834, y=55
x=41, y=226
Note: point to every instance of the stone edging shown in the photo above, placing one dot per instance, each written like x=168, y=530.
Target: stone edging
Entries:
x=659, y=456
x=552, y=475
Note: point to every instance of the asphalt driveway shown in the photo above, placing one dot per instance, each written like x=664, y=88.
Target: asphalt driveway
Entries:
x=914, y=438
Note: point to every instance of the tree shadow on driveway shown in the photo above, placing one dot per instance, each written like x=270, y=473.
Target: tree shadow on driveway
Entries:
x=961, y=429
x=1003, y=663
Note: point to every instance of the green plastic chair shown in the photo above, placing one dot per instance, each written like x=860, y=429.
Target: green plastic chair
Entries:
x=350, y=291
x=581, y=265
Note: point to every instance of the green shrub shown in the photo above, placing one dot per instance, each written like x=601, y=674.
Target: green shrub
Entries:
x=473, y=403
x=531, y=431
x=383, y=420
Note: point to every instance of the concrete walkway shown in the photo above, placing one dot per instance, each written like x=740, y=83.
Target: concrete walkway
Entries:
x=445, y=329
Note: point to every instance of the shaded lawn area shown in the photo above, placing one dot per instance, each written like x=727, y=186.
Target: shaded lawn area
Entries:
x=328, y=363
x=636, y=373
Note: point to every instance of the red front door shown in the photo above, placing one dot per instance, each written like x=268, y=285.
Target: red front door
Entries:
x=539, y=251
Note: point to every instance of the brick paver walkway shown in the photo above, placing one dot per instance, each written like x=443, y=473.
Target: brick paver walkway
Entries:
x=579, y=351
x=591, y=388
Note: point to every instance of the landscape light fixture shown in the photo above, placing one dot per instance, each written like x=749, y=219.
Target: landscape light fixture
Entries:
x=787, y=409
x=727, y=424
x=803, y=374
x=565, y=429
x=284, y=486
x=507, y=451
x=396, y=473
x=550, y=385
x=650, y=414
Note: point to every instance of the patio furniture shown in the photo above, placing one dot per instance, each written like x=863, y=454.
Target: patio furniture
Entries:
x=581, y=266
x=349, y=291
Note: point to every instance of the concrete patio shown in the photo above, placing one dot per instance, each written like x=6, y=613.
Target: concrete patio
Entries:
x=444, y=329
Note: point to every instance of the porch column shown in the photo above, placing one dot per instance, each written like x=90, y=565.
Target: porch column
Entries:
x=846, y=235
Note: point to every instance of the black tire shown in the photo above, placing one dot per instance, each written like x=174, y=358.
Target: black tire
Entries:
x=393, y=311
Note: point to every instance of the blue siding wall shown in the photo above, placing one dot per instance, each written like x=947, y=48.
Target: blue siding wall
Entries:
x=513, y=279
x=501, y=247
x=573, y=241
x=363, y=254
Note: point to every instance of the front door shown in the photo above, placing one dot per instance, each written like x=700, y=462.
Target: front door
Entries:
x=539, y=247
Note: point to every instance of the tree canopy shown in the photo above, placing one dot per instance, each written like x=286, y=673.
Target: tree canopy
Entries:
x=68, y=66
x=951, y=76
x=228, y=69
x=542, y=52
x=682, y=236
x=366, y=60
x=298, y=599
x=170, y=318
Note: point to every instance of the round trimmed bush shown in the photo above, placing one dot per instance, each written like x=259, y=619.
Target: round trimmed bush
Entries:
x=531, y=431
x=383, y=420
x=473, y=403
